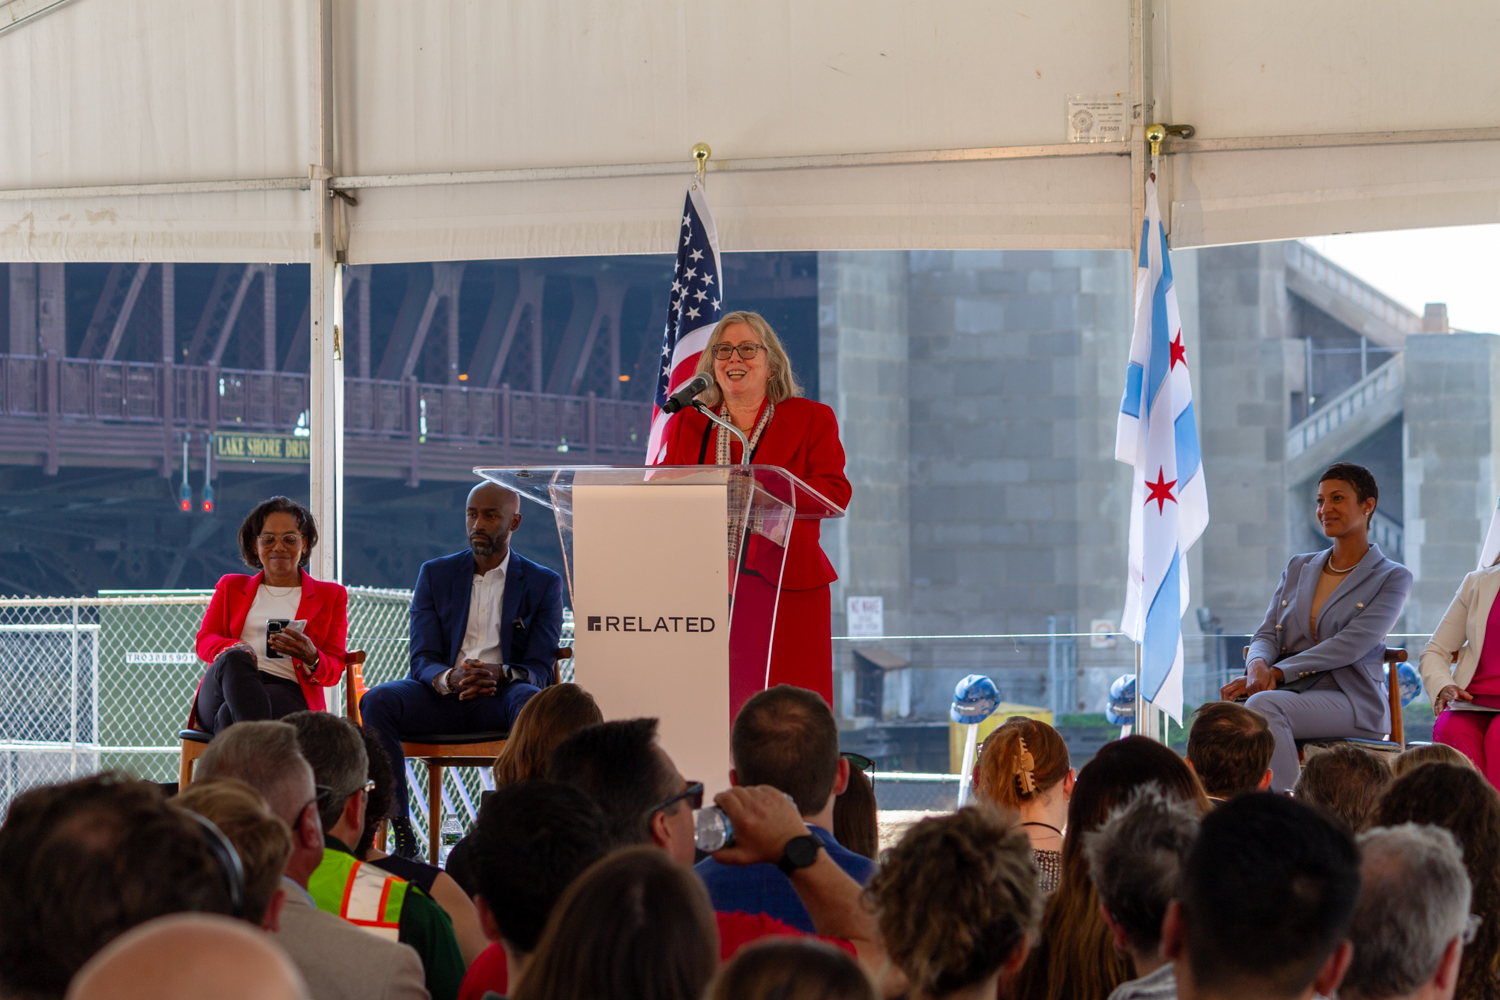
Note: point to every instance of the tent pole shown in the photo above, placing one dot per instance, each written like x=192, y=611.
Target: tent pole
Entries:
x=326, y=369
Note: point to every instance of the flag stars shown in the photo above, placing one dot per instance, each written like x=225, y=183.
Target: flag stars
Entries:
x=692, y=313
x=1179, y=353
x=696, y=255
x=1161, y=490
x=687, y=222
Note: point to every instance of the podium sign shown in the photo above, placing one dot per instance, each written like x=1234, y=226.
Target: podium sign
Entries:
x=674, y=573
x=651, y=623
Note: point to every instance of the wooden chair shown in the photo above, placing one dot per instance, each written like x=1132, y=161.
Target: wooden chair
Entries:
x=1397, y=741
x=195, y=741
x=440, y=750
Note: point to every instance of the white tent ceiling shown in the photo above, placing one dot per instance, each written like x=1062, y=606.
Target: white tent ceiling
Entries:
x=184, y=129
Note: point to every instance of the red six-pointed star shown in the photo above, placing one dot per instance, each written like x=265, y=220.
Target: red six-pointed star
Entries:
x=1179, y=353
x=1161, y=490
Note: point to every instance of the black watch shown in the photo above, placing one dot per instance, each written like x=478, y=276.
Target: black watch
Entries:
x=800, y=852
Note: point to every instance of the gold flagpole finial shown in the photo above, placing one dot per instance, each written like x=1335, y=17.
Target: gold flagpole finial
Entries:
x=701, y=153
x=1154, y=135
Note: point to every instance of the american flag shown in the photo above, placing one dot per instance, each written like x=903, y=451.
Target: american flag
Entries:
x=693, y=312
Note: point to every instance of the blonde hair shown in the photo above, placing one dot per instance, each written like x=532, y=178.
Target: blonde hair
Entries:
x=1022, y=759
x=782, y=383
x=1431, y=753
x=551, y=716
x=260, y=837
x=956, y=898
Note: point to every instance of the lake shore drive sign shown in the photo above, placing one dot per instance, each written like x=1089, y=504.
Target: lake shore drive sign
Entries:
x=280, y=448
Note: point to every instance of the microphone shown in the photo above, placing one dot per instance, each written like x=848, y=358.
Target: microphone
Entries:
x=684, y=396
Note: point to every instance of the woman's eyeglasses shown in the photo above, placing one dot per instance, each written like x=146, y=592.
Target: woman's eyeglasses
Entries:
x=291, y=540
x=747, y=351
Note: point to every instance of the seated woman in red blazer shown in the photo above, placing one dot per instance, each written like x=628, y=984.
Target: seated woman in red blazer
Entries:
x=244, y=681
x=755, y=389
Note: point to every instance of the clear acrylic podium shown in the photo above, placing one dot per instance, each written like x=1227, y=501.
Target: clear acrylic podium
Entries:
x=674, y=573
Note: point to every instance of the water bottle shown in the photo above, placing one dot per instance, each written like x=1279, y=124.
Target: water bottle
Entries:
x=451, y=834
x=712, y=830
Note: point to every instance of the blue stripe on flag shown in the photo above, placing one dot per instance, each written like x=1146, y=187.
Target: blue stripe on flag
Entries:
x=1166, y=258
x=1161, y=341
x=1145, y=260
x=1130, y=403
x=1185, y=429
x=1163, y=629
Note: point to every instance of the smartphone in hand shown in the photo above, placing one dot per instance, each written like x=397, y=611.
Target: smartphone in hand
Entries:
x=273, y=626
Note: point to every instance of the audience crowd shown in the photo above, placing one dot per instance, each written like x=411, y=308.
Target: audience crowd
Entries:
x=1142, y=875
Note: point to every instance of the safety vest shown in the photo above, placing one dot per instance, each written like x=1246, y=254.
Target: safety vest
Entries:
x=362, y=894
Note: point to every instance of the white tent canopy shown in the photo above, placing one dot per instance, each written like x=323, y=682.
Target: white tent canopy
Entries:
x=185, y=129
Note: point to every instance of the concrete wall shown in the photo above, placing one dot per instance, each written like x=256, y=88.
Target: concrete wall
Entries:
x=1451, y=440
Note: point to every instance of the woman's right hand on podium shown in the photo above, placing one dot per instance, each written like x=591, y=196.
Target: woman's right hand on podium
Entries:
x=1448, y=695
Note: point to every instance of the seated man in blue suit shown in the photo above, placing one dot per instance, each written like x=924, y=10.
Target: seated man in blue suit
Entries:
x=485, y=624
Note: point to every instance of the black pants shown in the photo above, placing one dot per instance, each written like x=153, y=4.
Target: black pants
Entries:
x=236, y=690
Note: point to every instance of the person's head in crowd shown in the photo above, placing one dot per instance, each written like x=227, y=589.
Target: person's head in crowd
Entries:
x=658, y=941
x=856, y=818
x=551, y=716
x=189, y=957
x=1076, y=955
x=85, y=861
x=957, y=902
x=1229, y=746
x=1264, y=904
x=1024, y=763
x=1135, y=860
x=381, y=802
x=336, y=751
x=264, y=755
x=1345, y=780
x=262, y=840
x=1461, y=801
x=785, y=737
x=622, y=769
x=532, y=841
x=792, y=969
x=1428, y=753
x=1412, y=916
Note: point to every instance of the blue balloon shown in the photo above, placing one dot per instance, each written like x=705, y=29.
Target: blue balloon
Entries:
x=1121, y=708
x=974, y=700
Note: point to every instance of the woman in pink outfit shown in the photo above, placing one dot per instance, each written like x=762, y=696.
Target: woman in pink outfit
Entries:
x=1461, y=672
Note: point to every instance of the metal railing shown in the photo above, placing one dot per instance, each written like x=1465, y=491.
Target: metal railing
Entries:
x=1381, y=382
x=210, y=398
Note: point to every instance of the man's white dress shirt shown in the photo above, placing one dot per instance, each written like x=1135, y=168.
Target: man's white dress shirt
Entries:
x=482, y=636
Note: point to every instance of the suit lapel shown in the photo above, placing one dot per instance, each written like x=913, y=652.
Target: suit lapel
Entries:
x=1307, y=582
x=1356, y=577
x=311, y=602
x=510, y=600
x=462, y=588
x=239, y=613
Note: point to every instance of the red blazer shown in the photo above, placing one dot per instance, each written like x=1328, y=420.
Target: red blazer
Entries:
x=324, y=605
x=803, y=439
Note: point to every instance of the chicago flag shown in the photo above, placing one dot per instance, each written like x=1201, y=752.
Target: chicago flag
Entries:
x=1158, y=435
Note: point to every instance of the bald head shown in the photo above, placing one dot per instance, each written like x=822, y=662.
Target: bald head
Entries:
x=180, y=957
x=492, y=513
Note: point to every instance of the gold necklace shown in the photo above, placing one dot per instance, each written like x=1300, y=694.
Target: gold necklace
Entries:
x=1329, y=565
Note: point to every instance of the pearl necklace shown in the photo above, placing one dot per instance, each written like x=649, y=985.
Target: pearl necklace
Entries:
x=1329, y=565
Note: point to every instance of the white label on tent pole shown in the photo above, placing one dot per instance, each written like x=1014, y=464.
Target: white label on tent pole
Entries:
x=1097, y=118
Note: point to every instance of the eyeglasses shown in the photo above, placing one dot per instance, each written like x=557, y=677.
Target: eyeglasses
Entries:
x=693, y=793
x=747, y=351
x=326, y=795
x=1471, y=928
x=291, y=540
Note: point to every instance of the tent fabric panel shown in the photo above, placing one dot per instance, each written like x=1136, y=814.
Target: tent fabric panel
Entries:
x=244, y=227
x=1255, y=195
x=156, y=91
x=1288, y=67
x=454, y=85
x=1076, y=202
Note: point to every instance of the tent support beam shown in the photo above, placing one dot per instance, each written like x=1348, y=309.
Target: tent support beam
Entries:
x=325, y=316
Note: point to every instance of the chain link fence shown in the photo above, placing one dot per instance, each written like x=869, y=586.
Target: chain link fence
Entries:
x=89, y=684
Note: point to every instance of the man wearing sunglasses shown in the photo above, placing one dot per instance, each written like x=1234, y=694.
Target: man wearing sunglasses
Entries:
x=380, y=903
x=646, y=800
x=337, y=960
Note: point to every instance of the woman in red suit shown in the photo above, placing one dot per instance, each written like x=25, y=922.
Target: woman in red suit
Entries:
x=754, y=389
x=245, y=682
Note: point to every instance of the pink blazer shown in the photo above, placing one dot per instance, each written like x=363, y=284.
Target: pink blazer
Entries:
x=324, y=605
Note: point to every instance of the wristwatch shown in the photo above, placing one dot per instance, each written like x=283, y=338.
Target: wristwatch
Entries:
x=800, y=852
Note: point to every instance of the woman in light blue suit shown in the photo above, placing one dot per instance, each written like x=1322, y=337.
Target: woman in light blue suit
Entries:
x=1314, y=668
